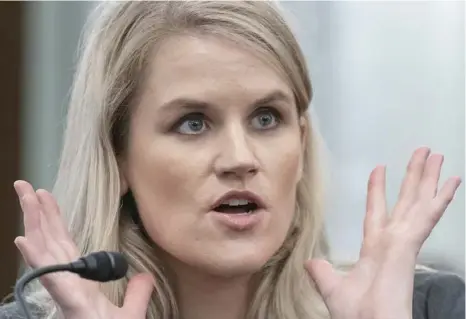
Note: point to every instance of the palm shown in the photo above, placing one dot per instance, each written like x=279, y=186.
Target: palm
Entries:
x=380, y=285
x=47, y=242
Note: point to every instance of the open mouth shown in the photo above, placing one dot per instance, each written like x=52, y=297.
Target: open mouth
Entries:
x=237, y=207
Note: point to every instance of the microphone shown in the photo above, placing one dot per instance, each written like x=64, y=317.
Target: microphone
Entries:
x=100, y=266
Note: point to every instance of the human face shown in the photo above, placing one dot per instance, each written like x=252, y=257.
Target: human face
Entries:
x=214, y=119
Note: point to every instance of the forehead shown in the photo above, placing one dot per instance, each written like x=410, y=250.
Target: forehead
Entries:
x=209, y=68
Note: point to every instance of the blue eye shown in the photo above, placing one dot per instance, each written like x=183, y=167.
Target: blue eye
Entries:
x=265, y=119
x=192, y=124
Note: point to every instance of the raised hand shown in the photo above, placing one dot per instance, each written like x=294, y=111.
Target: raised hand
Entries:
x=47, y=241
x=380, y=285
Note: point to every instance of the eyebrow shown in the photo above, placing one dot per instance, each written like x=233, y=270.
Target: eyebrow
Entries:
x=194, y=104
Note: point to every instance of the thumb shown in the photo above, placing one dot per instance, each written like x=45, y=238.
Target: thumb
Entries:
x=138, y=295
x=324, y=276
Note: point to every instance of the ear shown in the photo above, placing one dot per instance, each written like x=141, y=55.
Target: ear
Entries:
x=303, y=130
x=124, y=187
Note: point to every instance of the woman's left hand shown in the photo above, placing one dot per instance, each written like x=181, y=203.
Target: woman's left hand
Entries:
x=380, y=285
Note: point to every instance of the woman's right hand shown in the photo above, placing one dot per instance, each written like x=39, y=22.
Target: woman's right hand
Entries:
x=47, y=242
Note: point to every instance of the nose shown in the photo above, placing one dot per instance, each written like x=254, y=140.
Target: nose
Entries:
x=236, y=158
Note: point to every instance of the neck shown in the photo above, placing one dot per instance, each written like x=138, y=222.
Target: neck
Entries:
x=203, y=296
x=213, y=300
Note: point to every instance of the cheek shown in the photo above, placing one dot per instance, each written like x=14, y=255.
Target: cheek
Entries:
x=162, y=184
x=287, y=168
x=155, y=177
x=283, y=172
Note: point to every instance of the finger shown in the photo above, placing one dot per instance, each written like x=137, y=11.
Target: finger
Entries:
x=138, y=295
x=409, y=187
x=430, y=176
x=26, y=252
x=324, y=276
x=33, y=257
x=37, y=246
x=56, y=224
x=376, y=206
x=31, y=219
x=444, y=197
x=40, y=236
x=53, y=215
x=31, y=212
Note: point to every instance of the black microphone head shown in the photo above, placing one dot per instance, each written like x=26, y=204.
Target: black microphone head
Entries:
x=103, y=266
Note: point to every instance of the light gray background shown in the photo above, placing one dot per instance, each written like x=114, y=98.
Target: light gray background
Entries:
x=388, y=77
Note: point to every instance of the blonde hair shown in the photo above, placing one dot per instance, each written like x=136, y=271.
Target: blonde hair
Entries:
x=117, y=42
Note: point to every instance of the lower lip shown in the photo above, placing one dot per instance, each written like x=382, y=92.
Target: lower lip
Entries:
x=239, y=222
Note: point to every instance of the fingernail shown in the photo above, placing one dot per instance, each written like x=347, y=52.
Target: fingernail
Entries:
x=18, y=189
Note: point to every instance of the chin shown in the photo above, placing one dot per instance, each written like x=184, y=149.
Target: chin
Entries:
x=238, y=269
x=236, y=263
x=225, y=258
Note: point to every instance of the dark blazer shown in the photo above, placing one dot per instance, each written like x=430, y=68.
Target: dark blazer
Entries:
x=437, y=295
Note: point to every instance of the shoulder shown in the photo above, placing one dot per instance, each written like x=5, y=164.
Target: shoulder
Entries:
x=438, y=295
x=11, y=311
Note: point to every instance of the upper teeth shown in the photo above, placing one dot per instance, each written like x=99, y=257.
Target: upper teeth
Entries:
x=236, y=202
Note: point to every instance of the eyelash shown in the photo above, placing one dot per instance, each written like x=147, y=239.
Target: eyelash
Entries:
x=188, y=117
x=272, y=110
x=201, y=116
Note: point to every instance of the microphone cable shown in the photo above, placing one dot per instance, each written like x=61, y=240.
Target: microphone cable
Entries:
x=99, y=266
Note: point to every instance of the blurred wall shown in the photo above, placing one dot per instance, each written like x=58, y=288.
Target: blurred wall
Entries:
x=10, y=92
x=51, y=31
x=388, y=77
x=51, y=34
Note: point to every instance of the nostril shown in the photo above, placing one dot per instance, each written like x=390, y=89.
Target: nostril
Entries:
x=235, y=168
x=241, y=173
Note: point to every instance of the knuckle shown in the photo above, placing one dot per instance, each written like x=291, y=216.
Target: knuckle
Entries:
x=396, y=234
x=413, y=164
x=448, y=198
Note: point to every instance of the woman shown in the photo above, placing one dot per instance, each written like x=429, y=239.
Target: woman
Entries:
x=169, y=157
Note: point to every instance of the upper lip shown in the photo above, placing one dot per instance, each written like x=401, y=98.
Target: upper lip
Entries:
x=237, y=194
